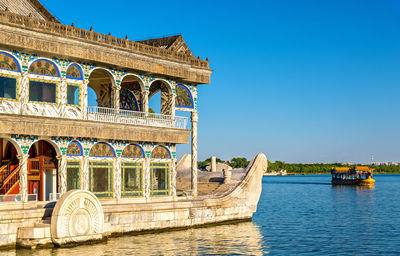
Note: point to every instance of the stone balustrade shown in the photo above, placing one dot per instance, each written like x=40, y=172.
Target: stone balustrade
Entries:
x=98, y=38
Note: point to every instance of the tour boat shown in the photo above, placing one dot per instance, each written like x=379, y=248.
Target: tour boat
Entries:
x=358, y=175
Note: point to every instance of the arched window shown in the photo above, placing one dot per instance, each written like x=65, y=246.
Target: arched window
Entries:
x=44, y=67
x=8, y=62
x=160, y=152
x=101, y=172
x=74, y=149
x=183, y=97
x=102, y=149
x=8, y=83
x=74, y=72
x=128, y=100
x=133, y=151
x=132, y=171
x=39, y=90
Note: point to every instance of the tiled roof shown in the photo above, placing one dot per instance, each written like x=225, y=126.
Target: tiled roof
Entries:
x=32, y=8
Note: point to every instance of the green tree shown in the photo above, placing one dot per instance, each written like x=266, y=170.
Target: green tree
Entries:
x=203, y=164
x=238, y=162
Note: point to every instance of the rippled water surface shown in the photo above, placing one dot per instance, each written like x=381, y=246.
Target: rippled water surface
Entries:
x=302, y=215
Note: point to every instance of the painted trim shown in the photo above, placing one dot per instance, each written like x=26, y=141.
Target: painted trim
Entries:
x=51, y=62
x=79, y=145
x=9, y=55
x=141, y=149
x=169, y=153
x=190, y=95
x=80, y=71
x=112, y=149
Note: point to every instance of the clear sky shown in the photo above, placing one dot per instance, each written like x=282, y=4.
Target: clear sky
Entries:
x=301, y=81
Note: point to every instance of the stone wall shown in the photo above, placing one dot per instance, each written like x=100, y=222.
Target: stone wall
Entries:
x=47, y=126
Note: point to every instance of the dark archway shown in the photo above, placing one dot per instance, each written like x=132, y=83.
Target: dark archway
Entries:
x=43, y=171
x=9, y=168
x=131, y=94
x=162, y=87
x=100, y=81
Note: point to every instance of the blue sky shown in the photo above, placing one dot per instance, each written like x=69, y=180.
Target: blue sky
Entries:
x=301, y=81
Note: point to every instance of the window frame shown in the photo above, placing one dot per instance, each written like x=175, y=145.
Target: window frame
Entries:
x=138, y=193
x=3, y=74
x=80, y=94
x=80, y=171
x=44, y=81
x=110, y=165
x=167, y=191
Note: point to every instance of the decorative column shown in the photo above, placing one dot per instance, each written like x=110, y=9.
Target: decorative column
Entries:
x=194, y=119
x=85, y=172
x=173, y=177
x=173, y=105
x=62, y=97
x=62, y=174
x=146, y=177
x=23, y=92
x=117, y=178
x=23, y=176
x=145, y=101
x=84, y=99
x=115, y=92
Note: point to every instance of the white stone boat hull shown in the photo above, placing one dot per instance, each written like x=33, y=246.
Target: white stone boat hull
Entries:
x=78, y=217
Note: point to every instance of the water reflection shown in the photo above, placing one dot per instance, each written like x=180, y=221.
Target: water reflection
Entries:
x=241, y=238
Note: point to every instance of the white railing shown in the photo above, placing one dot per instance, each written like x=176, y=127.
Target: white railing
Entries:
x=135, y=117
x=54, y=196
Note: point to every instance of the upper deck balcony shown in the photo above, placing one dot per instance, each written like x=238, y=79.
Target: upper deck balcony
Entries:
x=53, y=97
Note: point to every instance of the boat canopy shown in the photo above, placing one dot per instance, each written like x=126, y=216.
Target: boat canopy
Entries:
x=353, y=170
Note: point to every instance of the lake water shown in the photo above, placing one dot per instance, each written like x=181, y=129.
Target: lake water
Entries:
x=302, y=215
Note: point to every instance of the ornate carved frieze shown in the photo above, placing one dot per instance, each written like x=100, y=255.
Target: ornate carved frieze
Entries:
x=78, y=216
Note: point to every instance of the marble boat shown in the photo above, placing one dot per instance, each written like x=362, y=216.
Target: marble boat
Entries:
x=82, y=154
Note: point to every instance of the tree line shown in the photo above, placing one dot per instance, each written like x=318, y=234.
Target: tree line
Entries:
x=298, y=168
x=236, y=162
x=315, y=168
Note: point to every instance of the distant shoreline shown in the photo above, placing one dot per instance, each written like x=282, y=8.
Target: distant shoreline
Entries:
x=325, y=173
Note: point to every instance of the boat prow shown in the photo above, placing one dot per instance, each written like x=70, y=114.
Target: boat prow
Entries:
x=367, y=182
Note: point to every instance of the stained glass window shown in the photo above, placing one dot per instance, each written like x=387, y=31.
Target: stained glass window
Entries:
x=132, y=178
x=44, y=67
x=159, y=179
x=102, y=150
x=132, y=151
x=8, y=62
x=183, y=97
x=74, y=72
x=73, y=175
x=73, y=95
x=74, y=149
x=101, y=178
x=160, y=152
x=41, y=91
x=8, y=87
x=128, y=100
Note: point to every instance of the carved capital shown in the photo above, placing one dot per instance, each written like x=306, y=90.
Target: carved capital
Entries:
x=116, y=88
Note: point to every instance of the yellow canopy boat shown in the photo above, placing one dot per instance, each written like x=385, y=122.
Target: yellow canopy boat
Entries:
x=358, y=175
